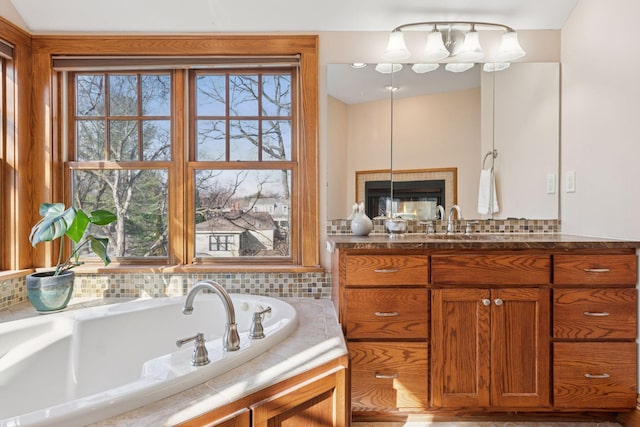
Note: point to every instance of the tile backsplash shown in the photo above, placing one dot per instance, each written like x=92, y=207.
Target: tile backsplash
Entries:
x=283, y=285
x=343, y=226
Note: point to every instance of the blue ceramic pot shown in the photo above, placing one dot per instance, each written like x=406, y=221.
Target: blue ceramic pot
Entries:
x=48, y=293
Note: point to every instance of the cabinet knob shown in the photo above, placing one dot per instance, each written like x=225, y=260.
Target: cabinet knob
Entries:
x=486, y=301
x=498, y=301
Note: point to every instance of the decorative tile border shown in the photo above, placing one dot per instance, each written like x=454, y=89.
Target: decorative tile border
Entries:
x=343, y=226
x=282, y=285
x=13, y=291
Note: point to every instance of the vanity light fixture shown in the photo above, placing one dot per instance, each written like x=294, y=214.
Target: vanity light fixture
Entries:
x=457, y=42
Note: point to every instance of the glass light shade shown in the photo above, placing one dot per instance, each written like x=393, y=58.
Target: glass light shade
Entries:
x=495, y=66
x=510, y=49
x=396, y=48
x=471, y=49
x=435, y=49
x=424, y=68
x=459, y=67
x=387, y=68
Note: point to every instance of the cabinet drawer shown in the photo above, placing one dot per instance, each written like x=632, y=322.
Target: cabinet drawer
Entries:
x=384, y=270
x=595, y=313
x=387, y=313
x=595, y=269
x=490, y=269
x=595, y=375
x=389, y=376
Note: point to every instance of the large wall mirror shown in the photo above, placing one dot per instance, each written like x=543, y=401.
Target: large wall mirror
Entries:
x=419, y=124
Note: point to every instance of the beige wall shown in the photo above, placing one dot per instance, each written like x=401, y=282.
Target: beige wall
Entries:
x=601, y=119
x=337, y=159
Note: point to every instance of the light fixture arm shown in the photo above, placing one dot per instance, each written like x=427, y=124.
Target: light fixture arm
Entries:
x=452, y=23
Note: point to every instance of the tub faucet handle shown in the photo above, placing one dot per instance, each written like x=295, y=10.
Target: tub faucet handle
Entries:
x=256, y=331
x=200, y=355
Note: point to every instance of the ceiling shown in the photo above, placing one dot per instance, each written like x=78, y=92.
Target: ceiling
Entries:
x=186, y=16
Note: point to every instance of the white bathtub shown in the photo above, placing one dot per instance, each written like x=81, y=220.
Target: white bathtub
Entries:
x=77, y=367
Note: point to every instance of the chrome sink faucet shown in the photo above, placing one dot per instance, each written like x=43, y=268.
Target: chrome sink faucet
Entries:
x=451, y=229
x=231, y=339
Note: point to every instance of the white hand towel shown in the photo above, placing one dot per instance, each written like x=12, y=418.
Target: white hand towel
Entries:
x=487, y=191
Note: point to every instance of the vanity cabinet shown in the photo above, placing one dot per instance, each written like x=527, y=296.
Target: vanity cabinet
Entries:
x=449, y=331
x=490, y=345
x=594, y=331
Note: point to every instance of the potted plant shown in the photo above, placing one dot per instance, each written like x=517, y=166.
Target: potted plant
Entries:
x=51, y=291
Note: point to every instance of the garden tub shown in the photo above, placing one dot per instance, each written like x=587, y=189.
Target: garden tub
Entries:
x=77, y=367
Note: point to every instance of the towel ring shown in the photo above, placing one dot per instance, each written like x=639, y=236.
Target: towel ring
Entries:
x=493, y=153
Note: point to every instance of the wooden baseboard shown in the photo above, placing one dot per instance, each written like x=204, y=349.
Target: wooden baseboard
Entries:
x=632, y=418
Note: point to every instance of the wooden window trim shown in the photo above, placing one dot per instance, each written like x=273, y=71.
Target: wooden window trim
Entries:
x=45, y=84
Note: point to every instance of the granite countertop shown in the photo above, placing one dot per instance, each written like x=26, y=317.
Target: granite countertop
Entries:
x=476, y=241
x=317, y=340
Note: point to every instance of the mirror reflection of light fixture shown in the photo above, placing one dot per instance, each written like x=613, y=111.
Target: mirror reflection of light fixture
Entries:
x=444, y=43
x=358, y=65
x=459, y=67
x=424, y=68
x=495, y=66
x=388, y=68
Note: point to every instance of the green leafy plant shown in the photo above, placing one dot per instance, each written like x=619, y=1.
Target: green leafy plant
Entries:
x=58, y=221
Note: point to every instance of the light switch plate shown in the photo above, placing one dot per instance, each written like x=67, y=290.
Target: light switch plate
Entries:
x=571, y=182
x=551, y=183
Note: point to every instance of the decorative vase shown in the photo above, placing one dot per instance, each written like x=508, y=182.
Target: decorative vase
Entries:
x=361, y=224
x=48, y=293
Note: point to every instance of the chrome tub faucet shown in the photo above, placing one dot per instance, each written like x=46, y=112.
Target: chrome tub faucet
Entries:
x=231, y=339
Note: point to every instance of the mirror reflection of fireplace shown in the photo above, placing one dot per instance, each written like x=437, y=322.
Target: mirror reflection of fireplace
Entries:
x=416, y=200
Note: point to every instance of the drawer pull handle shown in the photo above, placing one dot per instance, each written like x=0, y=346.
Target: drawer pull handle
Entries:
x=596, y=376
x=596, y=313
x=387, y=376
x=386, y=270
x=386, y=313
x=597, y=270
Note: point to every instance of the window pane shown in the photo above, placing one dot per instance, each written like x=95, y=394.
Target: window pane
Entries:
x=211, y=140
x=90, y=95
x=123, y=140
x=243, y=94
x=242, y=213
x=243, y=143
x=90, y=140
x=156, y=95
x=276, y=95
x=139, y=199
x=123, y=95
x=210, y=96
x=276, y=140
x=156, y=140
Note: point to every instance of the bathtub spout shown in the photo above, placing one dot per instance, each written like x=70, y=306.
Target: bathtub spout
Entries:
x=230, y=340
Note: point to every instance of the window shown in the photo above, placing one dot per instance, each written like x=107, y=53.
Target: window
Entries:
x=243, y=158
x=233, y=161
x=122, y=156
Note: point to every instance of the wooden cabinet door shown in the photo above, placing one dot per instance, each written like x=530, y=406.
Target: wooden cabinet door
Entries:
x=490, y=348
x=318, y=402
x=520, y=348
x=460, y=349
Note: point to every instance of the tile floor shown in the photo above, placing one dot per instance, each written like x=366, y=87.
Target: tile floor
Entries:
x=485, y=424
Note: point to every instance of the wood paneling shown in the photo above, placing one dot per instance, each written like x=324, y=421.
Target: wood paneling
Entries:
x=490, y=269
